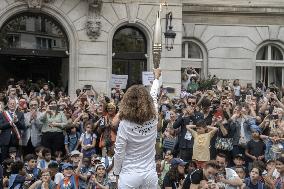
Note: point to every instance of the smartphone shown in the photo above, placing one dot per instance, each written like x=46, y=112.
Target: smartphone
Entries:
x=170, y=90
x=167, y=115
x=165, y=91
x=87, y=87
x=248, y=98
x=274, y=116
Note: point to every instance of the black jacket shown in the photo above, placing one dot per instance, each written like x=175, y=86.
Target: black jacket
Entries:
x=6, y=129
x=181, y=122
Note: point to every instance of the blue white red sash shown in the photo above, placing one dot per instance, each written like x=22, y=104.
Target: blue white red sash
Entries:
x=14, y=127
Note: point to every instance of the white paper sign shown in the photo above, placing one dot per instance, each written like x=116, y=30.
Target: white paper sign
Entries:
x=147, y=78
x=119, y=81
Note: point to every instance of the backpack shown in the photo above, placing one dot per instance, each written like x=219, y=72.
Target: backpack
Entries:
x=77, y=136
x=42, y=164
x=12, y=182
x=89, y=152
x=36, y=173
x=106, y=162
x=188, y=182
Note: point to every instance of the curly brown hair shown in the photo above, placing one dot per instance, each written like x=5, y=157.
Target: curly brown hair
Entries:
x=137, y=105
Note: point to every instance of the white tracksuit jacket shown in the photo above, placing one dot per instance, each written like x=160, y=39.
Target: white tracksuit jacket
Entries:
x=135, y=149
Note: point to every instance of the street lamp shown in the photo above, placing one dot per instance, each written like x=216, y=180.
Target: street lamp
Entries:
x=157, y=37
x=169, y=34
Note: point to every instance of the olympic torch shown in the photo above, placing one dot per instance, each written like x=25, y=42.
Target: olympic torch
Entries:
x=157, y=42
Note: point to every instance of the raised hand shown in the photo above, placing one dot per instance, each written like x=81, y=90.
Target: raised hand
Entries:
x=157, y=73
x=15, y=118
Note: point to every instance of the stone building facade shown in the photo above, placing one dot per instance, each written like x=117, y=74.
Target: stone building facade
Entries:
x=233, y=40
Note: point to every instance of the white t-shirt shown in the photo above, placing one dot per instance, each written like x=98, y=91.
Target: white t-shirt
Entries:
x=231, y=174
x=58, y=177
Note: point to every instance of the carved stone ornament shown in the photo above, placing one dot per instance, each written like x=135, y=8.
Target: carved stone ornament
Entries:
x=93, y=27
x=36, y=4
x=96, y=5
x=48, y=1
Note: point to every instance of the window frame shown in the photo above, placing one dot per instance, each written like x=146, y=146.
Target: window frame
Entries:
x=198, y=63
x=269, y=62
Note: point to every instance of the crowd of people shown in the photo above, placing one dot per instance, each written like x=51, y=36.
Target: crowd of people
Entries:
x=220, y=136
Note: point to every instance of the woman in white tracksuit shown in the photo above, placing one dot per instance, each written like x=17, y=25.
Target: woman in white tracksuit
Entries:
x=134, y=159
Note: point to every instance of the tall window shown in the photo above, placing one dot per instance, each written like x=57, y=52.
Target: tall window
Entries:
x=269, y=53
x=32, y=31
x=129, y=49
x=270, y=65
x=43, y=43
x=13, y=40
x=193, y=56
x=191, y=50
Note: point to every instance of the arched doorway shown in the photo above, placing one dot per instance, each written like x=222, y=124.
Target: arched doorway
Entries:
x=129, y=54
x=34, y=47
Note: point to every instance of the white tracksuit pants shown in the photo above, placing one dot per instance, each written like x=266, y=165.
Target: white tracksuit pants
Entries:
x=144, y=180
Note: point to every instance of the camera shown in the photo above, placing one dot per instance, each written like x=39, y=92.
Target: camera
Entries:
x=102, y=122
x=87, y=87
x=273, y=116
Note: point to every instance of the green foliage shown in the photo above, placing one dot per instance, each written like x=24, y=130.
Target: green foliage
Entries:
x=207, y=84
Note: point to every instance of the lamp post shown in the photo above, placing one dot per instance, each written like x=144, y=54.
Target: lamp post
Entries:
x=157, y=39
x=169, y=34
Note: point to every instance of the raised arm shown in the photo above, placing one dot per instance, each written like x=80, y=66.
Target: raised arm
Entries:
x=212, y=130
x=155, y=87
x=264, y=106
x=190, y=127
x=280, y=104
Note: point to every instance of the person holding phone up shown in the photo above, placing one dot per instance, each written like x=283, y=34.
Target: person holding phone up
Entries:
x=54, y=121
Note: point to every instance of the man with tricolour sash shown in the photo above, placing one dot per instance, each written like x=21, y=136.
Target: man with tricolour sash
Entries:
x=11, y=121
